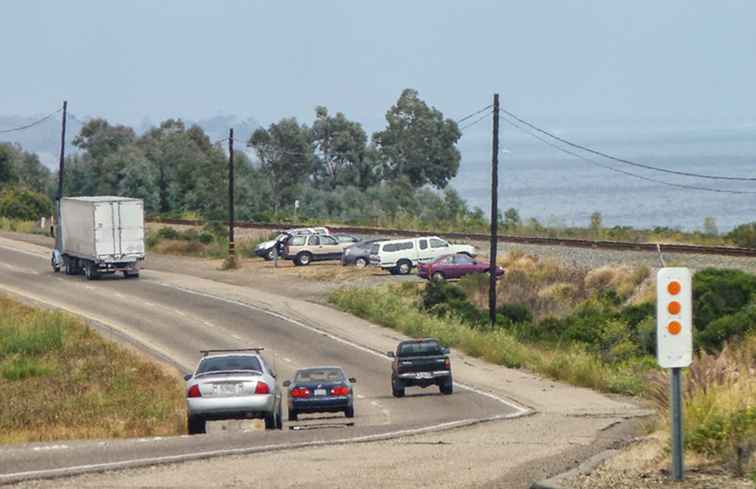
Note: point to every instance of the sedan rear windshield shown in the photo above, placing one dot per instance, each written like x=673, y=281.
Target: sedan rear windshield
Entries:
x=319, y=375
x=419, y=348
x=230, y=362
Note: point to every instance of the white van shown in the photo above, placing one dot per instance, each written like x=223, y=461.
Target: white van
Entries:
x=399, y=256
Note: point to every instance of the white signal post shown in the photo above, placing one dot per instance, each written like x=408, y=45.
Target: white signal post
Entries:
x=674, y=343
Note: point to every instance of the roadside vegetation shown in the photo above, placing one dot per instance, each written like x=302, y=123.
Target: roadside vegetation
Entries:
x=61, y=380
x=594, y=328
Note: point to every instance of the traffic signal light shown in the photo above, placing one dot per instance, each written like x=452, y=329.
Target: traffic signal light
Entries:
x=674, y=313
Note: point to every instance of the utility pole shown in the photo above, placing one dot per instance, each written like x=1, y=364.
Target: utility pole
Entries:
x=494, y=210
x=231, y=245
x=59, y=196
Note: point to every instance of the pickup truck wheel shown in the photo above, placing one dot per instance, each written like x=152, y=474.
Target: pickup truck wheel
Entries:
x=270, y=255
x=293, y=415
x=404, y=267
x=55, y=266
x=438, y=277
x=447, y=386
x=397, y=389
x=360, y=263
x=349, y=412
x=195, y=425
x=393, y=271
x=303, y=259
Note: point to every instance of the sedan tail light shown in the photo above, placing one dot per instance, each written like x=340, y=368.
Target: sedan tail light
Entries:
x=262, y=388
x=300, y=392
x=341, y=390
x=447, y=364
x=194, y=391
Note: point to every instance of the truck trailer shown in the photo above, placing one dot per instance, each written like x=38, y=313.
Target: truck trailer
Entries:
x=100, y=235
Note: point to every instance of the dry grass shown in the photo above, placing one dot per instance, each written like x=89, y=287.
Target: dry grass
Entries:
x=719, y=404
x=60, y=380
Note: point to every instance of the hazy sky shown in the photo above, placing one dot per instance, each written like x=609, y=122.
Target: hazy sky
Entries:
x=672, y=59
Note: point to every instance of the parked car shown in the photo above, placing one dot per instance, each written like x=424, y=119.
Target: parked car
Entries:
x=454, y=266
x=359, y=253
x=346, y=238
x=320, y=390
x=303, y=250
x=399, y=256
x=267, y=249
x=232, y=384
x=420, y=363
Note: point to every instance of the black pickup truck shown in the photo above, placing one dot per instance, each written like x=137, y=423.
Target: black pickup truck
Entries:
x=420, y=363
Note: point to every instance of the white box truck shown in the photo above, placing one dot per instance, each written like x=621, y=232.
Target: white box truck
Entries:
x=100, y=235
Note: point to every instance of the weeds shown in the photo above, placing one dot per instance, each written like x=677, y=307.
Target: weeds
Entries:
x=61, y=380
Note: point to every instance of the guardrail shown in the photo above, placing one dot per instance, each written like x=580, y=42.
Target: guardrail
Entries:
x=537, y=240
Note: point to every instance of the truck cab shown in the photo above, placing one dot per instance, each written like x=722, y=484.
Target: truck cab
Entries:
x=420, y=363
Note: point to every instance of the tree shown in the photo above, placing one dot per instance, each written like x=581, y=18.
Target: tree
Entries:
x=286, y=154
x=418, y=143
x=343, y=156
x=511, y=219
x=7, y=165
x=25, y=205
x=99, y=139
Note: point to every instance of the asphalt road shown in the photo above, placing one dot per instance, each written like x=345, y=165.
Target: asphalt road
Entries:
x=176, y=324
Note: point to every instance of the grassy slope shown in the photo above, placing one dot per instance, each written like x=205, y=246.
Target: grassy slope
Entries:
x=61, y=380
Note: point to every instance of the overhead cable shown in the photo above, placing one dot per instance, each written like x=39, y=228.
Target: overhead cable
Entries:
x=469, y=116
x=622, y=160
x=27, y=126
x=596, y=163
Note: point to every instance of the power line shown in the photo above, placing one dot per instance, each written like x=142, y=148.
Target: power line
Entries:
x=594, y=162
x=476, y=121
x=621, y=160
x=474, y=113
x=27, y=126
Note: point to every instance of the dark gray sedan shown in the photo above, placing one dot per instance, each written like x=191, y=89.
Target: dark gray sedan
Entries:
x=359, y=253
x=320, y=390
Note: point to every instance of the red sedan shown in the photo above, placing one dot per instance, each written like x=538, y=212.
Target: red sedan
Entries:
x=454, y=266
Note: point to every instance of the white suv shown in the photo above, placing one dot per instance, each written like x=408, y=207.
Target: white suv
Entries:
x=399, y=256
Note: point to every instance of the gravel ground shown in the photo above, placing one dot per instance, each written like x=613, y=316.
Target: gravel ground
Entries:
x=644, y=465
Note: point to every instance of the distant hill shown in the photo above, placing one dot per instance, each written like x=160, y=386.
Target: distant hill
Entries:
x=44, y=139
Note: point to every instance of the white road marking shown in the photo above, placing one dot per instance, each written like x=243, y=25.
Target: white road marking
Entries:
x=50, y=447
x=180, y=313
x=148, y=304
x=360, y=396
x=208, y=324
x=287, y=360
x=78, y=469
x=236, y=336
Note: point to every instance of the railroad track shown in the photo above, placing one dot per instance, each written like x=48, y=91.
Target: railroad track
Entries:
x=537, y=240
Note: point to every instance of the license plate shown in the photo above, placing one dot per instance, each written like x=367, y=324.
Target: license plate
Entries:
x=226, y=389
x=423, y=375
x=320, y=392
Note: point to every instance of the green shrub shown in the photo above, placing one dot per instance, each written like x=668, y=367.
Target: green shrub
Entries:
x=440, y=292
x=731, y=327
x=744, y=235
x=24, y=205
x=23, y=368
x=206, y=237
x=167, y=233
x=718, y=293
x=515, y=313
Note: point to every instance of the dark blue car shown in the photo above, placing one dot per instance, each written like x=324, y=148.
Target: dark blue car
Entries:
x=320, y=390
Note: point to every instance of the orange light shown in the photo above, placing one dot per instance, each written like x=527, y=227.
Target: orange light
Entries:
x=674, y=307
x=674, y=328
x=674, y=287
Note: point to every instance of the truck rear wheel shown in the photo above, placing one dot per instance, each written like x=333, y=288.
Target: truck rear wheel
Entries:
x=90, y=271
x=397, y=388
x=446, y=386
x=55, y=266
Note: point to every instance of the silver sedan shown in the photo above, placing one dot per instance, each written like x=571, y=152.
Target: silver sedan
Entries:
x=232, y=384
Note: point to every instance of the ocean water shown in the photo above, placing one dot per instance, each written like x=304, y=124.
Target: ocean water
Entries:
x=562, y=190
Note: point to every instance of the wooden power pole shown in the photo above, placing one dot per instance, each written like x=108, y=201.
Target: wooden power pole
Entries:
x=231, y=245
x=494, y=210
